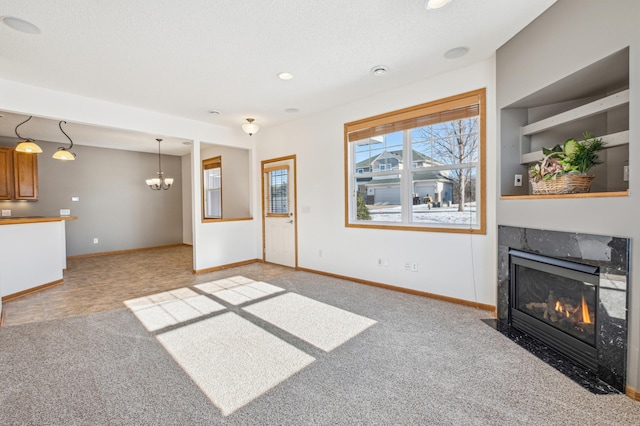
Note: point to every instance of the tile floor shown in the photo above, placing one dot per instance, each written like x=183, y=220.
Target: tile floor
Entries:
x=103, y=283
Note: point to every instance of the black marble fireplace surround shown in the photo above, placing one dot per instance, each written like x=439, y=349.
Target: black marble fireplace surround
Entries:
x=609, y=256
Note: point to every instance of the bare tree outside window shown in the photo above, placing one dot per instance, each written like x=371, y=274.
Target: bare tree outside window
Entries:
x=452, y=143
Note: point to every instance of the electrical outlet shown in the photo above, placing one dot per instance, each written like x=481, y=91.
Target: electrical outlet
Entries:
x=65, y=212
x=320, y=253
x=407, y=266
x=625, y=174
x=95, y=240
x=517, y=180
x=6, y=212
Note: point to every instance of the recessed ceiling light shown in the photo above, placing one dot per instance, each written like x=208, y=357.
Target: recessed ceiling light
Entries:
x=20, y=25
x=379, y=70
x=456, y=52
x=214, y=112
x=436, y=4
x=291, y=110
x=285, y=76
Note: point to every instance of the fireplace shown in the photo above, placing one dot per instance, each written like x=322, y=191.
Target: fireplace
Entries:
x=563, y=296
x=555, y=301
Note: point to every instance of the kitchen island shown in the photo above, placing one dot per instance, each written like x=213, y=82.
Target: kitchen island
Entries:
x=33, y=254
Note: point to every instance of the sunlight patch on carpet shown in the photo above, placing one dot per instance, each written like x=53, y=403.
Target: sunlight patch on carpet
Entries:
x=319, y=324
x=161, y=310
x=232, y=360
x=238, y=290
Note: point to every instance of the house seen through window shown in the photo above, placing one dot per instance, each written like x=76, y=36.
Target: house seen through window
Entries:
x=421, y=168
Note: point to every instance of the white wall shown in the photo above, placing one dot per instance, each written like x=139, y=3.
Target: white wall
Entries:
x=454, y=265
x=537, y=57
x=221, y=243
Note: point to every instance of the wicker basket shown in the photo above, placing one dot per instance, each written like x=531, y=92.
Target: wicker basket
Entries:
x=563, y=184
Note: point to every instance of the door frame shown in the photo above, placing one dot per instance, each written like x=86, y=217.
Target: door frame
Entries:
x=264, y=164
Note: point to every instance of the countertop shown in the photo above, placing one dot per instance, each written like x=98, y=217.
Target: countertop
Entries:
x=14, y=220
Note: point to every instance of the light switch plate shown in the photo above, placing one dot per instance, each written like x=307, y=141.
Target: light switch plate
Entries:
x=75, y=198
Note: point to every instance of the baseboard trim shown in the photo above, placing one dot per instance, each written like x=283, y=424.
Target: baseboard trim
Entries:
x=2, y=318
x=227, y=266
x=454, y=300
x=26, y=292
x=108, y=253
x=632, y=393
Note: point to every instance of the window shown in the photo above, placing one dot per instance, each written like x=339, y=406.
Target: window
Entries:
x=427, y=169
x=277, y=191
x=212, y=188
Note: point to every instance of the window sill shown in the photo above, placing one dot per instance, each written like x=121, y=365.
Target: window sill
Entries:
x=235, y=219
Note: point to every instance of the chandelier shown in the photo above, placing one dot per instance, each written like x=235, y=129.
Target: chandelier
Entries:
x=160, y=182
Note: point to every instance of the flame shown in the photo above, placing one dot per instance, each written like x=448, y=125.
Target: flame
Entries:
x=558, y=306
x=586, y=318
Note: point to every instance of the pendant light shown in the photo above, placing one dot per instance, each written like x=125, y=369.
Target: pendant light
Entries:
x=27, y=145
x=160, y=182
x=64, y=153
x=250, y=127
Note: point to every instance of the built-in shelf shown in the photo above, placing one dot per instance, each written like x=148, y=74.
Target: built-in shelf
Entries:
x=555, y=196
x=596, y=99
x=614, y=139
x=596, y=107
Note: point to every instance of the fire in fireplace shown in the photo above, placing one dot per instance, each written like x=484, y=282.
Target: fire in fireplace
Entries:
x=556, y=301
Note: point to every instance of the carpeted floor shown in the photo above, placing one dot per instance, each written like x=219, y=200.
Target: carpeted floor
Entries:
x=404, y=360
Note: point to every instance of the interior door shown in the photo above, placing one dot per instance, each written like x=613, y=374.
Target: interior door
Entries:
x=279, y=211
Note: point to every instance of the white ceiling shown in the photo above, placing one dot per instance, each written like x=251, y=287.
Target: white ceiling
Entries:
x=187, y=57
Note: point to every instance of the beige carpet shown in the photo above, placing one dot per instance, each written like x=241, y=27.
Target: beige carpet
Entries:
x=232, y=360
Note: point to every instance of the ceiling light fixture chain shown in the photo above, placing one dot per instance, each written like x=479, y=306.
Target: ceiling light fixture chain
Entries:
x=160, y=182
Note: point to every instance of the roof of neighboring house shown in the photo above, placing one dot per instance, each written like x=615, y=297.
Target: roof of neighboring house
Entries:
x=397, y=154
x=432, y=175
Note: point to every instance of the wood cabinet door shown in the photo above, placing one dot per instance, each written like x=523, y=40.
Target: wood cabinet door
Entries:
x=25, y=176
x=6, y=173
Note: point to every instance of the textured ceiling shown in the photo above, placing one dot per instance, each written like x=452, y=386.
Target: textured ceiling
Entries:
x=186, y=57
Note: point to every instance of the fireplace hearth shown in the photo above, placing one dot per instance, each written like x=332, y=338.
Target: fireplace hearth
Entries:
x=566, y=293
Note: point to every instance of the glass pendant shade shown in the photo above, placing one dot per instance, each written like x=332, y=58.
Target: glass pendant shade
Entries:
x=28, y=147
x=63, y=154
x=436, y=4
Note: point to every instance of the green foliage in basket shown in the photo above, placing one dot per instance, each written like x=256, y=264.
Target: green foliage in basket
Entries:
x=572, y=157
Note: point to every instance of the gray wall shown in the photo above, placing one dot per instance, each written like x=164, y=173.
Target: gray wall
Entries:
x=236, y=193
x=116, y=205
x=568, y=37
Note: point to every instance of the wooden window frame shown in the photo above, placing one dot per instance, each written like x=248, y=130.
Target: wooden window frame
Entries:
x=465, y=105
x=268, y=190
x=211, y=163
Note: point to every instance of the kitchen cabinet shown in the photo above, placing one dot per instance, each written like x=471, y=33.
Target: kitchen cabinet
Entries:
x=6, y=173
x=18, y=175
